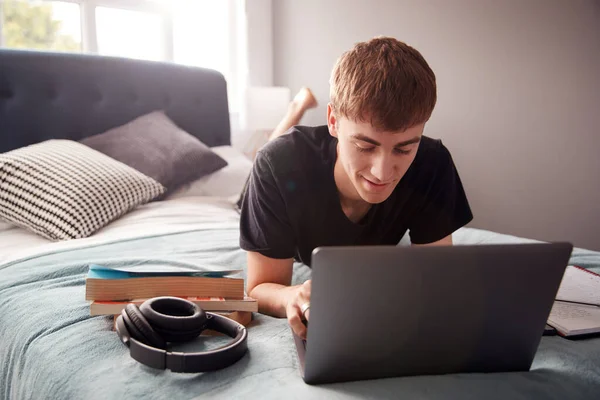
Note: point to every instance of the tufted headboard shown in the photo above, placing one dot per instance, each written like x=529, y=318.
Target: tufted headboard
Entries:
x=72, y=96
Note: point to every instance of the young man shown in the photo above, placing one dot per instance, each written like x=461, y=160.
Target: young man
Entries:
x=365, y=178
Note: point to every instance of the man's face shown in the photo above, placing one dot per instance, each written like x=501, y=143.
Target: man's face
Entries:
x=374, y=161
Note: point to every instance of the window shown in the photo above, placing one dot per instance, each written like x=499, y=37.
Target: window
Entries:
x=47, y=25
x=201, y=33
x=127, y=33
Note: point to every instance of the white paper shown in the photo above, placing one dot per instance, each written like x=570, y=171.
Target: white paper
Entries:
x=580, y=286
x=574, y=318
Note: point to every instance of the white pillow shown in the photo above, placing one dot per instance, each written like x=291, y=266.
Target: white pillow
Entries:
x=5, y=225
x=227, y=182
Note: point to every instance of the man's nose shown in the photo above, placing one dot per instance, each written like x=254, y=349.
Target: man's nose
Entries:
x=383, y=168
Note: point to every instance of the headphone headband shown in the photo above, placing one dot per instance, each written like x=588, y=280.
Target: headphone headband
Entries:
x=185, y=362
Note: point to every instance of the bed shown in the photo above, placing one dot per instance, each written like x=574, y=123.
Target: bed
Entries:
x=52, y=348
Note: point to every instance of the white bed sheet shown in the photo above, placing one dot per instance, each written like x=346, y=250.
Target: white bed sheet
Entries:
x=156, y=218
x=178, y=214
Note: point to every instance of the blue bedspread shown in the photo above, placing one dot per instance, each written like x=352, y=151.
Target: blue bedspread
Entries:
x=52, y=349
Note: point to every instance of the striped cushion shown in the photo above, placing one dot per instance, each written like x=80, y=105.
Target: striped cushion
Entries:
x=61, y=189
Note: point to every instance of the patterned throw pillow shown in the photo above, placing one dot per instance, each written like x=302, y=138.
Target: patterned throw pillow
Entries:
x=61, y=189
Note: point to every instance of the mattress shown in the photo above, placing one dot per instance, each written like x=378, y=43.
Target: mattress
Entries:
x=53, y=348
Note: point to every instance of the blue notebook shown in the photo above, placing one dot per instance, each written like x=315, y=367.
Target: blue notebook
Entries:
x=152, y=270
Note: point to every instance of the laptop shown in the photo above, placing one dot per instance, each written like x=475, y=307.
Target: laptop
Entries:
x=388, y=311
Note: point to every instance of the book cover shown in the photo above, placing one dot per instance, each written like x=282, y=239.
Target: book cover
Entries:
x=148, y=270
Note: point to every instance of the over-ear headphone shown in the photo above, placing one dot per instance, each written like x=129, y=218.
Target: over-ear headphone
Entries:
x=147, y=329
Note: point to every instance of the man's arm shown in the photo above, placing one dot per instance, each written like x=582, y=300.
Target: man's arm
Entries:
x=268, y=281
x=447, y=241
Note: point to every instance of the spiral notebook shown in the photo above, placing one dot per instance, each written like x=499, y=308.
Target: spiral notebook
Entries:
x=576, y=310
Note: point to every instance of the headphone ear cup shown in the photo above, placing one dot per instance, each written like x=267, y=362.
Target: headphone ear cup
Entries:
x=175, y=319
x=139, y=327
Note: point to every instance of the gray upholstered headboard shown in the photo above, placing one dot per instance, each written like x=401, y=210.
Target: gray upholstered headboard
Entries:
x=72, y=96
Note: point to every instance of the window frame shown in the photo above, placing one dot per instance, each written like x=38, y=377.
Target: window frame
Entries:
x=89, y=39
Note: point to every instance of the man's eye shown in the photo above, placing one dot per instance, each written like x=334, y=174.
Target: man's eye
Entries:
x=365, y=149
x=400, y=151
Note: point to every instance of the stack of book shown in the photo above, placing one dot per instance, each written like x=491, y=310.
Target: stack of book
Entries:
x=111, y=289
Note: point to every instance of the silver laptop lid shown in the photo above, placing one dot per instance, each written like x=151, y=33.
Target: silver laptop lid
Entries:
x=387, y=311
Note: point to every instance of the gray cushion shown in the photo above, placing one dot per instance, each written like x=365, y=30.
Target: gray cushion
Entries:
x=155, y=146
x=61, y=189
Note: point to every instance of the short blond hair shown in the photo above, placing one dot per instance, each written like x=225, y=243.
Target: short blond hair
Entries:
x=384, y=82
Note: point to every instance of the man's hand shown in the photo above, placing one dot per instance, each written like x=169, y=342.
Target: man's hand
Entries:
x=268, y=281
x=299, y=300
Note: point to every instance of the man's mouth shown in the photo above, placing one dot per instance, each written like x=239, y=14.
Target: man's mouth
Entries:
x=376, y=186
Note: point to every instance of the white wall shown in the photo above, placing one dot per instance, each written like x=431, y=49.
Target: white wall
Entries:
x=519, y=96
x=254, y=59
x=259, y=33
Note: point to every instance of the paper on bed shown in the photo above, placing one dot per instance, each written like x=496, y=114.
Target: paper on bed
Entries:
x=574, y=319
x=579, y=285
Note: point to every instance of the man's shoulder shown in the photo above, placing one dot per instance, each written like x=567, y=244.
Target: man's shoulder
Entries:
x=430, y=145
x=432, y=153
x=300, y=147
x=432, y=159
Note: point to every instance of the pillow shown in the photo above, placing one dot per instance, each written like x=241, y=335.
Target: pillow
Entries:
x=61, y=189
x=227, y=182
x=158, y=148
x=5, y=225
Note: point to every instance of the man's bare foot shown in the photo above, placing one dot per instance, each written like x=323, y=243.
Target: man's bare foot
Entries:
x=305, y=99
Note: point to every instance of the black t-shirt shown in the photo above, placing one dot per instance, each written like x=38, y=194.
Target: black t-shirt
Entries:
x=291, y=203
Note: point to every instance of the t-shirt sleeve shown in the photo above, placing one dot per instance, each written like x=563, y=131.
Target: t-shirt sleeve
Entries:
x=264, y=222
x=444, y=207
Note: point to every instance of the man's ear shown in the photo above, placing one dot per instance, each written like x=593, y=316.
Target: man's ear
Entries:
x=331, y=121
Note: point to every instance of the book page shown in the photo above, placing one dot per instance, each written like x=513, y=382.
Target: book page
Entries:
x=575, y=318
x=581, y=286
